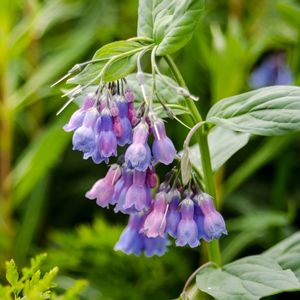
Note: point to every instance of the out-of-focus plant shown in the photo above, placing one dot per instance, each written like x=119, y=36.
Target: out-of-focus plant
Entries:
x=33, y=284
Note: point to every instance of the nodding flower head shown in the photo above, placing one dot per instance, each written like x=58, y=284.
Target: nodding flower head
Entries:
x=173, y=215
x=162, y=148
x=187, y=231
x=138, y=154
x=122, y=125
x=106, y=139
x=103, y=189
x=213, y=223
x=155, y=246
x=137, y=194
x=155, y=222
x=131, y=241
x=76, y=119
x=84, y=136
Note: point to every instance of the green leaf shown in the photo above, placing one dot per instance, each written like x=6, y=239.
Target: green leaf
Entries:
x=12, y=274
x=122, y=56
x=266, y=111
x=222, y=143
x=249, y=278
x=287, y=253
x=174, y=22
x=38, y=158
x=145, y=20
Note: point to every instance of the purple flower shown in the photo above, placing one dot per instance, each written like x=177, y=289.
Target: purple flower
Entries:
x=187, y=232
x=151, y=178
x=155, y=222
x=137, y=194
x=84, y=136
x=76, y=119
x=106, y=139
x=173, y=215
x=138, y=154
x=213, y=223
x=131, y=241
x=199, y=219
x=162, y=148
x=155, y=246
x=122, y=125
x=103, y=189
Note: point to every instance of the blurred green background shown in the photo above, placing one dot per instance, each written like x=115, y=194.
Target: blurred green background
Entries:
x=43, y=182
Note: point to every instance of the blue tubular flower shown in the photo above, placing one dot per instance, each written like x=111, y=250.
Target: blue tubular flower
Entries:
x=199, y=219
x=162, y=148
x=155, y=222
x=106, y=140
x=131, y=241
x=122, y=125
x=84, y=136
x=272, y=71
x=103, y=189
x=137, y=195
x=77, y=118
x=213, y=224
x=138, y=154
x=155, y=246
x=173, y=215
x=187, y=232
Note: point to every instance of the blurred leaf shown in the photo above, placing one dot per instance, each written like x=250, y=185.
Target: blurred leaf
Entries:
x=223, y=143
x=291, y=11
x=270, y=149
x=118, y=68
x=252, y=277
x=145, y=19
x=287, y=253
x=38, y=158
x=12, y=274
x=266, y=111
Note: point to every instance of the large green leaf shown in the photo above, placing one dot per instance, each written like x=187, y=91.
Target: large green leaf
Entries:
x=266, y=111
x=124, y=56
x=287, y=253
x=223, y=143
x=170, y=23
x=249, y=278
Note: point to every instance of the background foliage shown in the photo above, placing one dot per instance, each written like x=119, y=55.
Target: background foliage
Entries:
x=43, y=182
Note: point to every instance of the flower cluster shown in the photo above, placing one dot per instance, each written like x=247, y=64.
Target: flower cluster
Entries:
x=107, y=120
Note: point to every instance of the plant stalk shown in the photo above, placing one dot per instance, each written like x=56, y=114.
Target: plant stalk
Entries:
x=213, y=247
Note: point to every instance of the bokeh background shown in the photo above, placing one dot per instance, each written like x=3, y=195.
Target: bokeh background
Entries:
x=238, y=45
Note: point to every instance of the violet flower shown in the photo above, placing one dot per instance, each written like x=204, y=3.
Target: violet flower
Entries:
x=173, y=215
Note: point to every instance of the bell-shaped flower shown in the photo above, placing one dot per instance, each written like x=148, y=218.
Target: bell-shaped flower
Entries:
x=137, y=194
x=163, y=148
x=155, y=246
x=76, y=119
x=131, y=241
x=103, y=189
x=106, y=139
x=213, y=224
x=199, y=219
x=138, y=154
x=155, y=222
x=122, y=126
x=151, y=177
x=187, y=231
x=84, y=136
x=173, y=215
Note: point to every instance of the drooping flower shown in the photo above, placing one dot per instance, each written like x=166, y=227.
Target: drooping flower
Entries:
x=155, y=222
x=131, y=241
x=106, y=139
x=199, y=219
x=103, y=189
x=163, y=149
x=138, y=154
x=137, y=194
x=187, y=232
x=173, y=215
x=213, y=224
x=122, y=125
x=155, y=246
x=84, y=136
x=77, y=117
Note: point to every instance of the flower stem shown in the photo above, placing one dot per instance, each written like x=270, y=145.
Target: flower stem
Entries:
x=213, y=247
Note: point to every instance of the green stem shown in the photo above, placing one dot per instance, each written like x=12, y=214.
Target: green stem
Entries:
x=213, y=247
